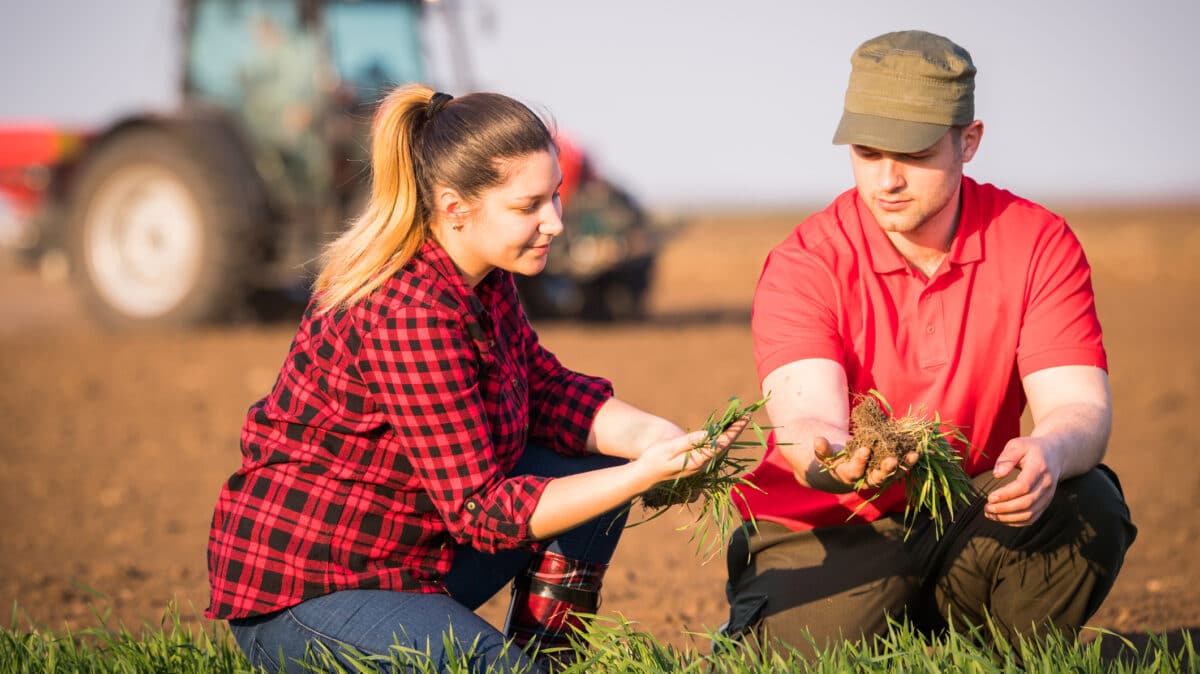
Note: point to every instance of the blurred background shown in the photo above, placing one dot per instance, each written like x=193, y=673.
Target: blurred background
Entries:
x=169, y=169
x=703, y=104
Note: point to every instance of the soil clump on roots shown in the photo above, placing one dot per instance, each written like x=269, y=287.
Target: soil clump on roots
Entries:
x=872, y=428
x=935, y=484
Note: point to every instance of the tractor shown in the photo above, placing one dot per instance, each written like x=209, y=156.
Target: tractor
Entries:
x=180, y=218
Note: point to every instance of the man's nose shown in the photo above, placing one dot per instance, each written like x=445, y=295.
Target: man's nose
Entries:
x=891, y=175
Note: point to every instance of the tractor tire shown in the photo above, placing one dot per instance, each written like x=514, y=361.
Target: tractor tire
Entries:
x=158, y=230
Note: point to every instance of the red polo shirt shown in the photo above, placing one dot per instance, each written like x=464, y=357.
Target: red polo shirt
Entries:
x=1013, y=296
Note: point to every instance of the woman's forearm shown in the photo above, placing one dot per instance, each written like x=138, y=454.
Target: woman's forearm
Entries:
x=622, y=430
x=570, y=501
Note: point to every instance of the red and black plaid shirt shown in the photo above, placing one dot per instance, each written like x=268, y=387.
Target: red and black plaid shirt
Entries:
x=387, y=438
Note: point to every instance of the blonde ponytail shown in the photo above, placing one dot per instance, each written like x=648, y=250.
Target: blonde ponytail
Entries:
x=394, y=225
x=416, y=146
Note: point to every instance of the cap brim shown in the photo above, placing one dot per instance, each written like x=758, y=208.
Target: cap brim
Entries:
x=882, y=133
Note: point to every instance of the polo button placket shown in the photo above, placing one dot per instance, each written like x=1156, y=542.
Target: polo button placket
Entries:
x=932, y=346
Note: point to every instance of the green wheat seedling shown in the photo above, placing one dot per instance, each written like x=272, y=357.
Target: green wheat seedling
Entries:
x=615, y=644
x=717, y=514
x=936, y=484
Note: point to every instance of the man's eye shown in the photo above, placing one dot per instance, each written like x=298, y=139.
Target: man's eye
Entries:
x=530, y=208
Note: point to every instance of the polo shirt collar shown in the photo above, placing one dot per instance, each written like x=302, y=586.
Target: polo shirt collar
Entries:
x=885, y=259
x=964, y=248
x=967, y=245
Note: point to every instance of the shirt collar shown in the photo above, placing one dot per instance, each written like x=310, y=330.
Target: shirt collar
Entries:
x=432, y=253
x=965, y=247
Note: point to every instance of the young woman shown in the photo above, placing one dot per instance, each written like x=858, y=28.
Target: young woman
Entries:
x=420, y=449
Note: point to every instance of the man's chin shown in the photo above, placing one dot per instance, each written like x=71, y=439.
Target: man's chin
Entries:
x=897, y=225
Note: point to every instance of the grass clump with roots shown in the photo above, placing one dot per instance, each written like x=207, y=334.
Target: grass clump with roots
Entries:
x=717, y=514
x=936, y=484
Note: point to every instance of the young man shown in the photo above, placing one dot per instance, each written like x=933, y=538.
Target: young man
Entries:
x=946, y=295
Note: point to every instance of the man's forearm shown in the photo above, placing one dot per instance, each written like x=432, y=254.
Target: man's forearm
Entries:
x=795, y=441
x=1076, y=436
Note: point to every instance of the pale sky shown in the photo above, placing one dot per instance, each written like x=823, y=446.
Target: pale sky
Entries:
x=709, y=104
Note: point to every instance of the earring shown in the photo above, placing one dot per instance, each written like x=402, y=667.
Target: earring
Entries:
x=457, y=227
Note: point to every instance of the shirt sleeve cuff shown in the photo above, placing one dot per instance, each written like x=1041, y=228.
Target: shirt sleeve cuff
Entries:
x=777, y=359
x=499, y=519
x=1060, y=357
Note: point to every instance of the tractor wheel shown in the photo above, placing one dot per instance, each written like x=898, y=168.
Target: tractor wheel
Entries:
x=158, y=232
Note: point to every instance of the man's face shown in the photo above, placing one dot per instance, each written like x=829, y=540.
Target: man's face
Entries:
x=907, y=190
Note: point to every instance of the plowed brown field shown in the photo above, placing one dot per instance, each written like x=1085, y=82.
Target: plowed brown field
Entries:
x=113, y=446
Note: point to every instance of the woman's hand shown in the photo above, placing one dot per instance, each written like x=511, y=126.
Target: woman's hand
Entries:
x=572, y=500
x=683, y=455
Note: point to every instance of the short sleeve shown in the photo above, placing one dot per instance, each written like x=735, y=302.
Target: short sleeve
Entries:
x=794, y=315
x=1060, y=325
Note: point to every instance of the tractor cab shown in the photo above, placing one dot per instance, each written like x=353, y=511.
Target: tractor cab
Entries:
x=178, y=217
x=301, y=80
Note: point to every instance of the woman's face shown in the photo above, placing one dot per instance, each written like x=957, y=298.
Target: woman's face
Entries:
x=511, y=225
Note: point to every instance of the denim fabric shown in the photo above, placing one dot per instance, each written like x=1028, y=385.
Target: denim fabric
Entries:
x=371, y=622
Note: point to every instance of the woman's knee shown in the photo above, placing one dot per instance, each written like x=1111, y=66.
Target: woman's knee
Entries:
x=348, y=626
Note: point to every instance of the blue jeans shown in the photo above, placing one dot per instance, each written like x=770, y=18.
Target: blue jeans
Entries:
x=371, y=622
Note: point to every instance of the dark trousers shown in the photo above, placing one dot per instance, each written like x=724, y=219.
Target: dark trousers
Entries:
x=846, y=581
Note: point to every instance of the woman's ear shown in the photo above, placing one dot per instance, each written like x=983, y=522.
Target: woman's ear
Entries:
x=451, y=207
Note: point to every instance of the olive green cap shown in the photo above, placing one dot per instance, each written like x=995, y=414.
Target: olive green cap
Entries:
x=906, y=90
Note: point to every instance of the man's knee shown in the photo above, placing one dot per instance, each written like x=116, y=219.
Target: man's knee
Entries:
x=1097, y=501
x=1056, y=571
x=812, y=588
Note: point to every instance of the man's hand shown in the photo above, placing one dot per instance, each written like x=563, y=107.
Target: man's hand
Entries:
x=1022, y=501
x=823, y=466
x=848, y=470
